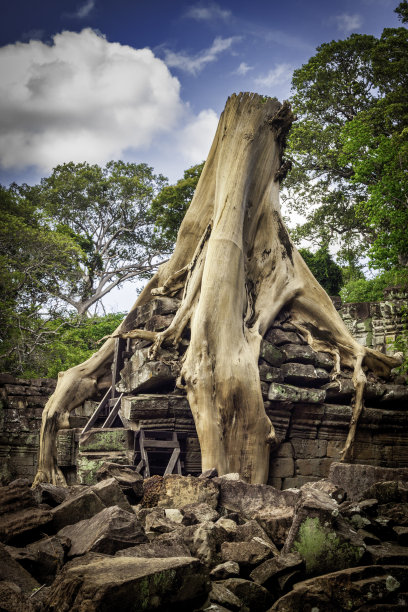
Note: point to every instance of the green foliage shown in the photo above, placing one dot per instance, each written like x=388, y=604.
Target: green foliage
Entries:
x=402, y=11
x=372, y=290
x=349, y=149
x=322, y=550
x=105, y=212
x=70, y=341
x=170, y=205
x=329, y=90
x=324, y=269
x=34, y=259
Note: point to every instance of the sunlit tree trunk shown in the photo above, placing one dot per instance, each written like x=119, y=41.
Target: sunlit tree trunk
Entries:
x=237, y=268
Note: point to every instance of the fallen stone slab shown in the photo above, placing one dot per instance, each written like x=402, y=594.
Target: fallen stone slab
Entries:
x=128, y=479
x=388, y=553
x=13, y=599
x=84, y=505
x=53, y=495
x=42, y=559
x=229, y=569
x=221, y=595
x=248, y=499
x=204, y=541
x=198, y=513
x=97, y=583
x=357, y=588
x=157, y=548
x=246, y=554
x=276, y=522
x=12, y=571
x=269, y=571
x=176, y=491
x=387, y=492
x=107, y=532
x=253, y=595
x=356, y=478
x=111, y=494
x=24, y=526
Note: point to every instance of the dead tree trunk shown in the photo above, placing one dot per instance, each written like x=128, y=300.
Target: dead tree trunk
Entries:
x=237, y=268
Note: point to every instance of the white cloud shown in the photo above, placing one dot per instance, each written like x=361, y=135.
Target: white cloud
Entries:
x=348, y=23
x=243, y=68
x=84, y=10
x=196, y=137
x=279, y=75
x=208, y=12
x=195, y=63
x=83, y=98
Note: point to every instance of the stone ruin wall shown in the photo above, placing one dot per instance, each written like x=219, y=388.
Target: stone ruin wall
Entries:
x=310, y=415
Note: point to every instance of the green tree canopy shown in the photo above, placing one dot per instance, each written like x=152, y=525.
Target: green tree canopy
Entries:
x=105, y=212
x=170, y=205
x=324, y=269
x=349, y=147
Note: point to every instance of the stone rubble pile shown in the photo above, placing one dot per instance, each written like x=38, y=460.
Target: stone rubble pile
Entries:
x=206, y=544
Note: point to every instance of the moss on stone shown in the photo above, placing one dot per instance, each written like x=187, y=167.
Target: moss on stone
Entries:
x=322, y=549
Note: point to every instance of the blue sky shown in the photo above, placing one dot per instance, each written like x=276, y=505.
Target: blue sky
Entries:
x=145, y=81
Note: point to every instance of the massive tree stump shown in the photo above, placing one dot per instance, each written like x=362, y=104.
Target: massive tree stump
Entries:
x=236, y=268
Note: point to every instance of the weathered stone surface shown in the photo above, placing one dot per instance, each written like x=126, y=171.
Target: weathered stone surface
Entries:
x=268, y=373
x=269, y=571
x=246, y=499
x=225, y=570
x=95, y=440
x=211, y=473
x=128, y=479
x=224, y=597
x=85, y=505
x=311, y=504
x=299, y=374
x=358, y=588
x=388, y=553
x=204, y=541
x=387, y=492
x=298, y=354
x=12, y=571
x=46, y=493
x=229, y=525
x=271, y=354
x=309, y=449
x=276, y=521
x=157, y=548
x=141, y=374
x=156, y=521
x=107, y=532
x=278, y=336
x=110, y=494
x=251, y=594
x=394, y=514
x=12, y=598
x=247, y=554
x=175, y=491
x=282, y=467
x=290, y=394
x=127, y=583
x=198, y=513
x=19, y=516
x=356, y=478
x=252, y=529
x=42, y=559
x=326, y=486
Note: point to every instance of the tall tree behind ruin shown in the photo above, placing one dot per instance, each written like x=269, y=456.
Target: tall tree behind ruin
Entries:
x=236, y=268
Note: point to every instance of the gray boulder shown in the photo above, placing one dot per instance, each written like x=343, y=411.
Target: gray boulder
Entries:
x=107, y=532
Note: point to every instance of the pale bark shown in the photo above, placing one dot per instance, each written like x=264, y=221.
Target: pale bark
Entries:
x=238, y=268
